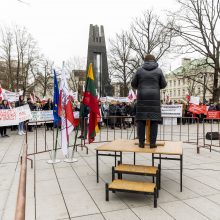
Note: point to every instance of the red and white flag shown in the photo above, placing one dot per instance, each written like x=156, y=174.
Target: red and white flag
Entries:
x=131, y=95
x=65, y=112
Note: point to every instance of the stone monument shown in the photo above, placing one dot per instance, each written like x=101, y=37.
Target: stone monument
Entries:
x=98, y=57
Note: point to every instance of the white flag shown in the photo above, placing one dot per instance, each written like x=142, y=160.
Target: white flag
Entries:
x=66, y=113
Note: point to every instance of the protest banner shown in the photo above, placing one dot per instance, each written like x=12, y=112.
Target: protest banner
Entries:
x=197, y=109
x=41, y=116
x=10, y=96
x=8, y=117
x=213, y=114
x=24, y=113
x=116, y=99
x=171, y=111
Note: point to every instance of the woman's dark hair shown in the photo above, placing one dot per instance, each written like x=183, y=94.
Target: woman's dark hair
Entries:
x=149, y=57
x=21, y=96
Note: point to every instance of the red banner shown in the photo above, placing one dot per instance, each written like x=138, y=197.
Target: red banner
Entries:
x=197, y=109
x=213, y=114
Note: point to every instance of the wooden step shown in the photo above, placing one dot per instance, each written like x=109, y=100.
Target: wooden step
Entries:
x=132, y=186
x=136, y=169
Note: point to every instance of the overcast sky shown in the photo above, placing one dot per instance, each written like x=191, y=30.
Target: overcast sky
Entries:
x=61, y=27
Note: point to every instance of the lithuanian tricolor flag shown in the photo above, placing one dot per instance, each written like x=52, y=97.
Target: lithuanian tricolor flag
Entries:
x=90, y=100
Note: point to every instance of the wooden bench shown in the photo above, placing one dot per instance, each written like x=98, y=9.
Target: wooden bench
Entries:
x=133, y=187
x=137, y=170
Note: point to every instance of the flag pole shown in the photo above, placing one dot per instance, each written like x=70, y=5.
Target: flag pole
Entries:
x=68, y=159
x=54, y=151
x=74, y=146
x=72, y=159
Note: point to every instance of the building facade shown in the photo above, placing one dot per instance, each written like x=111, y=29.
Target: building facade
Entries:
x=192, y=78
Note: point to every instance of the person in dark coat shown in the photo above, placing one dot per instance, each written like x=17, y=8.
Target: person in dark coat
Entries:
x=47, y=107
x=32, y=108
x=83, y=114
x=148, y=80
x=112, y=114
x=3, y=130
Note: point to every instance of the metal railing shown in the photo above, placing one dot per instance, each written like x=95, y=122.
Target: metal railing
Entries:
x=184, y=129
x=21, y=196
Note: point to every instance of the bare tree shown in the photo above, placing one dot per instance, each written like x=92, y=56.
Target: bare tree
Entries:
x=150, y=35
x=18, y=50
x=197, y=25
x=43, y=76
x=6, y=54
x=71, y=65
x=123, y=62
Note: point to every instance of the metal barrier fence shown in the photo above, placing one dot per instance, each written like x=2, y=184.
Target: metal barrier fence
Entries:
x=187, y=129
x=210, y=125
x=184, y=129
x=37, y=125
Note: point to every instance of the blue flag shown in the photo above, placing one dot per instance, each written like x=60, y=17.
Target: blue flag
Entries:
x=55, y=100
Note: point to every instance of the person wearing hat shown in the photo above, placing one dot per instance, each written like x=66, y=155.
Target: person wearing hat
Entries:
x=148, y=80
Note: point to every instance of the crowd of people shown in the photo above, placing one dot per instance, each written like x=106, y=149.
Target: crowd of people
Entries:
x=111, y=113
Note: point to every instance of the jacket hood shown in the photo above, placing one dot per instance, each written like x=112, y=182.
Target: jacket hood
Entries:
x=150, y=65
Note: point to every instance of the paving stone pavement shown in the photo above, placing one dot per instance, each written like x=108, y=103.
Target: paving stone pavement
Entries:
x=69, y=190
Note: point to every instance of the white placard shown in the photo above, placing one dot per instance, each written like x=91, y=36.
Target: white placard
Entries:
x=41, y=116
x=194, y=100
x=10, y=96
x=14, y=116
x=76, y=114
x=24, y=113
x=171, y=111
x=8, y=117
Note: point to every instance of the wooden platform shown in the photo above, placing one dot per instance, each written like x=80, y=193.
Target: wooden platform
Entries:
x=172, y=150
x=132, y=186
x=121, y=145
x=158, y=143
x=139, y=169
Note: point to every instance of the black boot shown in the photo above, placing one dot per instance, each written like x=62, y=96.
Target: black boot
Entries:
x=141, y=144
x=153, y=145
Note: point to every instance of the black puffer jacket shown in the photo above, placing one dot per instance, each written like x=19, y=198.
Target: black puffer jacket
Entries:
x=148, y=80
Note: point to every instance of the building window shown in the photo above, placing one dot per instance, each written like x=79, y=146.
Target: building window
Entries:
x=174, y=83
x=184, y=92
x=174, y=92
x=183, y=81
x=178, y=82
x=170, y=93
x=178, y=92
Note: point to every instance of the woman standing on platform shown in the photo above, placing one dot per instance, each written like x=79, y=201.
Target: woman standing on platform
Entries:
x=148, y=80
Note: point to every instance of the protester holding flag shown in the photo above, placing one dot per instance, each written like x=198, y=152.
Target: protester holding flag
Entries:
x=49, y=106
x=90, y=99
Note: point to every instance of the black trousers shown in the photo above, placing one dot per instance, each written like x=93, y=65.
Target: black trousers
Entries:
x=141, y=127
x=3, y=131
